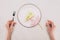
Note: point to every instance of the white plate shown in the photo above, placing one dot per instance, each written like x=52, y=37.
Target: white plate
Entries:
x=29, y=15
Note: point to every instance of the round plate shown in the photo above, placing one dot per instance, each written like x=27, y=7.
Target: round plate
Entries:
x=29, y=15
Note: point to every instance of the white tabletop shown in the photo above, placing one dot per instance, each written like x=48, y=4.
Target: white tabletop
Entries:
x=50, y=10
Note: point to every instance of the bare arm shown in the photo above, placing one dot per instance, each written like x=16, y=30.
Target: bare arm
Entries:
x=9, y=36
x=50, y=29
x=10, y=27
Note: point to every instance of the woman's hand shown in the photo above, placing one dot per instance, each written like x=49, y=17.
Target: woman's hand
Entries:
x=10, y=27
x=50, y=29
x=50, y=26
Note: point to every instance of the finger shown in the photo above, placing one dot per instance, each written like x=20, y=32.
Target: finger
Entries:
x=47, y=25
x=50, y=21
x=13, y=24
x=10, y=23
x=52, y=24
x=7, y=24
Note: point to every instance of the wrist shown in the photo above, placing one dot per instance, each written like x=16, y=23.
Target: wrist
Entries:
x=9, y=32
x=50, y=32
x=51, y=35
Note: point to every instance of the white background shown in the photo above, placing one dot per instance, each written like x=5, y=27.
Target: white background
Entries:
x=50, y=10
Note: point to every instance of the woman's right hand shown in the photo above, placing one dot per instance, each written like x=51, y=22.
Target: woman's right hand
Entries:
x=10, y=26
